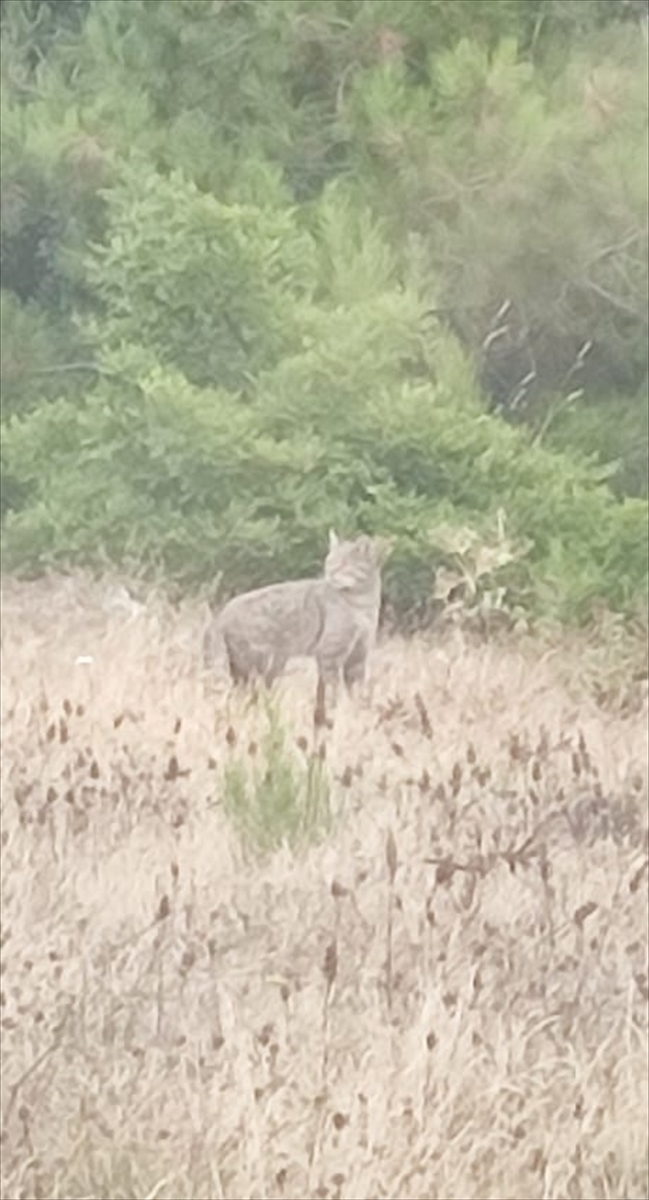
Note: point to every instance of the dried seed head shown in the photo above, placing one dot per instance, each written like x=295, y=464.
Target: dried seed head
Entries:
x=634, y=884
x=515, y=752
x=330, y=966
x=337, y=890
x=426, y=727
x=391, y=855
x=173, y=770
x=640, y=980
x=445, y=871
x=585, y=910
x=187, y=961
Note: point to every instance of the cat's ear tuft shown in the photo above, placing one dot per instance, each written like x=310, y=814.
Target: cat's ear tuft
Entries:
x=384, y=547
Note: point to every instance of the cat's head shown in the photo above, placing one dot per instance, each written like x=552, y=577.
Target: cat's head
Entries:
x=355, y=562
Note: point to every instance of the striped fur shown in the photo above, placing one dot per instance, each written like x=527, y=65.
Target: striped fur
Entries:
x=333, y=619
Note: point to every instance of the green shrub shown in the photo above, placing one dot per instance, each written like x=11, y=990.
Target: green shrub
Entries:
x=210, y=288
x=42, y=356
x=527, y=191
x=154, y=473
x=272, y=796
x=53, y=171
x=614, y=431
x=265, y=366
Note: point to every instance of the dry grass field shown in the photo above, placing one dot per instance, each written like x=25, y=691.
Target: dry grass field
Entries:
x=433, y=986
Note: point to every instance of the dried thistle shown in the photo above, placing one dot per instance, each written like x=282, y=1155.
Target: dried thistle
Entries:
x=330, y=970
x=330, y=964
x=584, y=911
x=426, y=726
x=391, y=855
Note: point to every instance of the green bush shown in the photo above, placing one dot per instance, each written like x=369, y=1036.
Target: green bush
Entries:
x=527, y=191
x=229, y=282
x=615, y=431
x=41, y=356
x=53, y=171
x=272, y=795
x=211, y=288
x=155, y=473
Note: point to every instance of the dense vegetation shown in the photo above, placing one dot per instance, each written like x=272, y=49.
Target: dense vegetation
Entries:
x=378, y=264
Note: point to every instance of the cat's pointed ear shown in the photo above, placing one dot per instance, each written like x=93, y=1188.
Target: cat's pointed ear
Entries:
x=333, y=539
x=384, y=547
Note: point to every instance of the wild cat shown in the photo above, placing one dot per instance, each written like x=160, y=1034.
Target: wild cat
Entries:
x=333, y=619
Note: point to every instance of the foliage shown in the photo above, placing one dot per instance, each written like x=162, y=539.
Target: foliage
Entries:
x=271, y=268
x=468, y=589
x=615, y=432
x=474, y=162
x=151, y=471
x=52, y=174
x=35, y=355
x=210, y=287
x=272, y=797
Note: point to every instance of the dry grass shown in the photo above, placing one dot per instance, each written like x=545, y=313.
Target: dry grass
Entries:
x=444, y=996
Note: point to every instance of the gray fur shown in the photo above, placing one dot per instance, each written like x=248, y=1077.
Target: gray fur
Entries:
x=333, y=619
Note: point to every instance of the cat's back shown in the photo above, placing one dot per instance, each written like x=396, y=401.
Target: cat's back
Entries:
x=274, y=599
